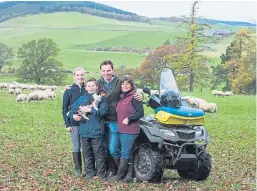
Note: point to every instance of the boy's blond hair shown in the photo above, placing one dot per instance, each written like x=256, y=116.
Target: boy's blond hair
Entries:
x=78, y=69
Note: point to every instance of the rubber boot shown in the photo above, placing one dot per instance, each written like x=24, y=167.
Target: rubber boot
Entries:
x=113, y=167
x=77, y=163
x=122, y=170
x=129, y=176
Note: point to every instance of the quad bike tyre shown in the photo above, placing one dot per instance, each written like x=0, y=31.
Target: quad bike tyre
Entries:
x=201, y=172
x=148, y=164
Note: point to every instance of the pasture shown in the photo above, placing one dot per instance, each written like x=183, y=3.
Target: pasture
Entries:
x=35, y=148
x=74, y=32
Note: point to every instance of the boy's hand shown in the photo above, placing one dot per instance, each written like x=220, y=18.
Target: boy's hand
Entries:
x=69, y=129
x=125, y=121
x=138, y=96
x=77, y=117
x=84, y=109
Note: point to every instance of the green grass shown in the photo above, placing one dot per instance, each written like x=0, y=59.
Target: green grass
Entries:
x=35, y=149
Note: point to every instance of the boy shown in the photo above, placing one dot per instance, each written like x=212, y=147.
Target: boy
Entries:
x=91, y=130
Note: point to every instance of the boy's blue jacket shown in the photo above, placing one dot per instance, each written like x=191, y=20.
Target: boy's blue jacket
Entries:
x=94, y=127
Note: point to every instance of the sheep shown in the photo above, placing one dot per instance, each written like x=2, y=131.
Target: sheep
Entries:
x=217, y=93
x=11, y=91
x=17, y=91
x=228, y=93
x=33, y=96
x=21, y=98
x=207, y=107
x=192, y=100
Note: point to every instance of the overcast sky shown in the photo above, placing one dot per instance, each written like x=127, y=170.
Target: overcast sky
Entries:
x=222, y=10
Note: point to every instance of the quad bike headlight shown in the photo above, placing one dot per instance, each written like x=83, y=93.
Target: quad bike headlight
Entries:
x=167, y=132
x=199, y=133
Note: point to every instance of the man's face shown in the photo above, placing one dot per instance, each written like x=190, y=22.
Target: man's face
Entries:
x=107, y=72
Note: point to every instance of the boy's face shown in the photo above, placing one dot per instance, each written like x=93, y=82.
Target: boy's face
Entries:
x=79, y=76
x=91, y=87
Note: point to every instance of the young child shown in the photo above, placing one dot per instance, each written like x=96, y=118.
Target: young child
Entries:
x=91, y=130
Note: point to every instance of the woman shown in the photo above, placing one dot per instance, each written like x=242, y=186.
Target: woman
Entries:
x=129, y=111
x=70, y=96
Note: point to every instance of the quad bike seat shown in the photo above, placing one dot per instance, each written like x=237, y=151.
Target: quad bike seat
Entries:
x=179, y=115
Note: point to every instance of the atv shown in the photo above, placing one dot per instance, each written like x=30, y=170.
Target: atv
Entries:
x=173, y=138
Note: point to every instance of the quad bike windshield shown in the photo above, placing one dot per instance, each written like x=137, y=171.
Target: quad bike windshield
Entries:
x=167, y=81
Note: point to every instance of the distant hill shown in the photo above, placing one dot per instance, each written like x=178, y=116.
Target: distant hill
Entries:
x=209, y=21
x=9, y=10
x=12, y=9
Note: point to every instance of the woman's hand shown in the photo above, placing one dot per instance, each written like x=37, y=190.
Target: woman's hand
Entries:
x=125, y=121
x=69, y=129
x=77, y=117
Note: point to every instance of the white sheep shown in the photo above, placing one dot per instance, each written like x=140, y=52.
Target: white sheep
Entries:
x=22, y=98
x=217, y=93
x=17, y=91
x=11, y=91
x=228, y=93
x=207, y=107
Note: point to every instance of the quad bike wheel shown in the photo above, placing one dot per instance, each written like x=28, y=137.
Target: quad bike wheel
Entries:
x=201, y=172
x=148, y=164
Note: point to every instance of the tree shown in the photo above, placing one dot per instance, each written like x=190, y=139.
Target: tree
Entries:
x=6, y=56
x=237, y=68
x=191, y=65
x=38, y=62
x=153, y=63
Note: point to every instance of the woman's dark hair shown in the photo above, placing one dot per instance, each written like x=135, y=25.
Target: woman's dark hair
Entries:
x=129, y=79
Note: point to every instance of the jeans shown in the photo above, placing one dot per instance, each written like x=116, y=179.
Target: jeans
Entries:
x=127, y=142
x=95, y=155
x=113, y=139
x=75, y=139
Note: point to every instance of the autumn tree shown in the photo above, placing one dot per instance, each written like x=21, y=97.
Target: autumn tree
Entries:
x=237, y=69
x=154, y=62
x=191, y=66
x=39, y=64
x=6, y=55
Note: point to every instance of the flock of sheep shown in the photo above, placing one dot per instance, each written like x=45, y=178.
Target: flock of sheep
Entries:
x=39, y=92
x=221, y=93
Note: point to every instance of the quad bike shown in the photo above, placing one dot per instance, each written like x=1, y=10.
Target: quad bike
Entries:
x=173, y=138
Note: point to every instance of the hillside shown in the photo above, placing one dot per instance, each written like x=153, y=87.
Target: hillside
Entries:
x=9, y=10
x=80, y=35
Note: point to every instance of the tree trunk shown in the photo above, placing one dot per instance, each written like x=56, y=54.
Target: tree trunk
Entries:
x=191, y=80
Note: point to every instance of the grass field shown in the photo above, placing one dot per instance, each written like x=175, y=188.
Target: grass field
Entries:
x=74, y=32
x=35, y=149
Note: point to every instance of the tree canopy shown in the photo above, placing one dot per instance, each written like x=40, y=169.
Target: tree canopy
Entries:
x=38, y=62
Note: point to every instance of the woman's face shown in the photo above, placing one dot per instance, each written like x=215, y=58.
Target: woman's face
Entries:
x=79, y=77
x=125, y=86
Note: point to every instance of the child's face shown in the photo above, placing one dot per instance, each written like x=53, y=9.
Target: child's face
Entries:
x=91, y=87
x=79, y=77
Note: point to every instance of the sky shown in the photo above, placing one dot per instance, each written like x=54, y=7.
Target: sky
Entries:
x=221, y=10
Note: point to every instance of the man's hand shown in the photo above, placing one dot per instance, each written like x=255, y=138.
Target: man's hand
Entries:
x=125, y=121
x=69, y=129
x=67, y=87
x=77, y=117
x=138, y=96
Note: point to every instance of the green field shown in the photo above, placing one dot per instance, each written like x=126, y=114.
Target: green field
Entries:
x=74, y=32
x=35, y=149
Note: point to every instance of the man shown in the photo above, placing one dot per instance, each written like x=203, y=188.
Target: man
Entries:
x=112, y=85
